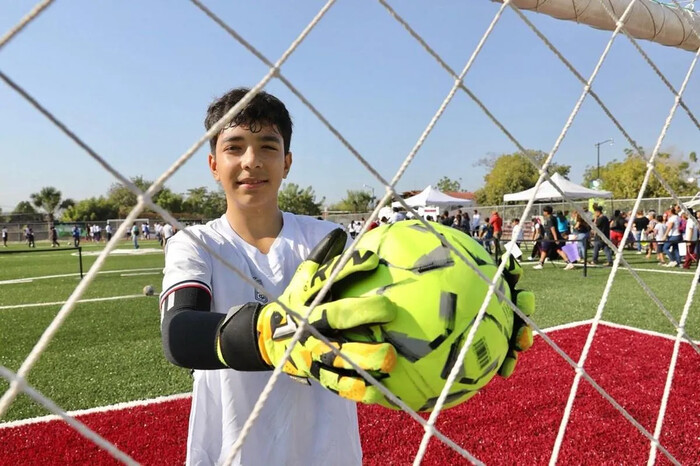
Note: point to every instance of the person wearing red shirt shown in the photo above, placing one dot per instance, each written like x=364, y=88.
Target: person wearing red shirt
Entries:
x=497, y=222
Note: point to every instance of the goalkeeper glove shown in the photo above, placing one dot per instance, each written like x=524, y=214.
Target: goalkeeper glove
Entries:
x=271, y=328
x=521, y=339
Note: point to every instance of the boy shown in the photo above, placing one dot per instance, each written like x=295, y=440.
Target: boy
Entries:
x=301, y=423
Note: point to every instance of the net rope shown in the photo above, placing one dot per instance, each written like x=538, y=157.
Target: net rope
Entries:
x=18, y=383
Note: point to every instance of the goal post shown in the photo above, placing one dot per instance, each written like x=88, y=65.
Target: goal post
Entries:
x=665, y=23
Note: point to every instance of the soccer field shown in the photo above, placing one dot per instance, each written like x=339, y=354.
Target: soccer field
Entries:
x=108, y=351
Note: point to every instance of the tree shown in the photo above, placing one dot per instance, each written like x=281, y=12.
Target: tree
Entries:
x=511, y=173
x=91, y=209
x=446, y=184
x=123, y=197
x=48, y=199
x=624, y=178
x=24, y=212
x=299, y=201
x=196, y=200
x=216, y=204
x=355, y=201
x=170, y=201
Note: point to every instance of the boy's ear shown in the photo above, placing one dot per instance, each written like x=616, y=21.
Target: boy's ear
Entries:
x=213, y=167
x=287, y=164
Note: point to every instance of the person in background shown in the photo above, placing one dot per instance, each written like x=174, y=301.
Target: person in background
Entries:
x=521, y=232
x=486, y=236
x=581, y=229
x=4, y=236
x=639, y=228
x=603, y=224
x=672, y=237
x=552, y=240
x=651, y=239
x=30, y=237
x=659, y=234
x=53, y=233
x=497, y=224
x=537, y=237
x=691, y=240
x=135, y=235
x=563, y=225
x=465, y=226
x=617, y=228
x=476, y=218
x=76, y=236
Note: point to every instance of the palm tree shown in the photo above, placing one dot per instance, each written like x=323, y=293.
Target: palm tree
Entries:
x=48, y=199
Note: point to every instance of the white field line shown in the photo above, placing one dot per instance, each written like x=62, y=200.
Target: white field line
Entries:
x=180, y=396
x=139, y=273
x=57, y=303
x=100, y=409
x=64, y=275
x=612, y=325
x=671, y=272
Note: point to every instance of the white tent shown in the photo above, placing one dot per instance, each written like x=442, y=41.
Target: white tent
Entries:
x=432, y=197
x=547, y=192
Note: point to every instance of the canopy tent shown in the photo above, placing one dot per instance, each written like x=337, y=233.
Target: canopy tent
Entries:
x=547, y=192
x=432, y=197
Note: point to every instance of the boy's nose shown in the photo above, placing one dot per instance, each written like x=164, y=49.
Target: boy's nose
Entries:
x=251, y=159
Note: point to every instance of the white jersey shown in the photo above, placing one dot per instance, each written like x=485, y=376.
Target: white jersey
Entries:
x=659, y=231
x=299, y=424
x=167, y=231
x=675, y=227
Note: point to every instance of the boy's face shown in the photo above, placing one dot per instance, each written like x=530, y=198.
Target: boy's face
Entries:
x=250, y=166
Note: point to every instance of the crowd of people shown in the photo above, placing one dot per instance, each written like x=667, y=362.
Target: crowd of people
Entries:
x=656, y=235
x=488, y=233
x=93, y=233
x=668, y=237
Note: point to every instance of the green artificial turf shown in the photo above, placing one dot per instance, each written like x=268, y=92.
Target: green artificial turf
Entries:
x=110, y=351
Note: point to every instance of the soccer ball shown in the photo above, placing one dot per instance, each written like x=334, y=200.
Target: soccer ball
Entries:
x=148, y=290
x=438, y=297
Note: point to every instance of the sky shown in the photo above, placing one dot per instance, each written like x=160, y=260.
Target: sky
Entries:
x=134, y=79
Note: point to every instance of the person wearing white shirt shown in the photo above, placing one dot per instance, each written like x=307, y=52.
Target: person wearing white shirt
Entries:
x=476, y=218
x=691, y=241
x=671, y=239
x=229, y=332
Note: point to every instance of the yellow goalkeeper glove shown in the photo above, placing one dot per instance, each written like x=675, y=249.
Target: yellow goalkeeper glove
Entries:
x=521, y=339
x=311, y=357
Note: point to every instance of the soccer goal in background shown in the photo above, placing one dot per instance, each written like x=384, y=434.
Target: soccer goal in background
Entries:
x=672, y=24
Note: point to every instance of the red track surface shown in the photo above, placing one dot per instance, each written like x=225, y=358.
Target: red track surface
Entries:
x=512, y=421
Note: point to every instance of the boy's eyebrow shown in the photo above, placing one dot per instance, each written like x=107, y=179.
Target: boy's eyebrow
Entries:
x=261, y=137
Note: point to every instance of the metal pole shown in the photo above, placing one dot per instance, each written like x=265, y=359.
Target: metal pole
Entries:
x=598, y=147
x=80, y=258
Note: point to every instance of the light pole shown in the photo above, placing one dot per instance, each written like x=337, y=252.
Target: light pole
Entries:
x=597, y=145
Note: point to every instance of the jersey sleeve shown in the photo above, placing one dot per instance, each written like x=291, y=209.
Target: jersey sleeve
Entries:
x=187, y=264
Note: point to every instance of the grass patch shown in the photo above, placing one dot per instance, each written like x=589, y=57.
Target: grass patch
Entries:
x=110, y=351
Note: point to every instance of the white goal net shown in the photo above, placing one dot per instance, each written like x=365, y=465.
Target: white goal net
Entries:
x=583, y=92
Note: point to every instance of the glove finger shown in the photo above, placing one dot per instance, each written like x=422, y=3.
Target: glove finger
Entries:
x=351, y=387
x=509, y=363
x=375, y=357
x=330, y=246
x=361, y=260
x=513, y=271
x=525, y=300
x=349, y=313
x=523, y=338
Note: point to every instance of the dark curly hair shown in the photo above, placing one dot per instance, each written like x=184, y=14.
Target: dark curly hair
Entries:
x=264, y=109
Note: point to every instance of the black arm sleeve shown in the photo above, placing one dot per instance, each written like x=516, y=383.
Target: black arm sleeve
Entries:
x=189, y=332
x=189, y=338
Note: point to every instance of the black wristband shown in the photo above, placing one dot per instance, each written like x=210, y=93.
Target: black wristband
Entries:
x=238, y=339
